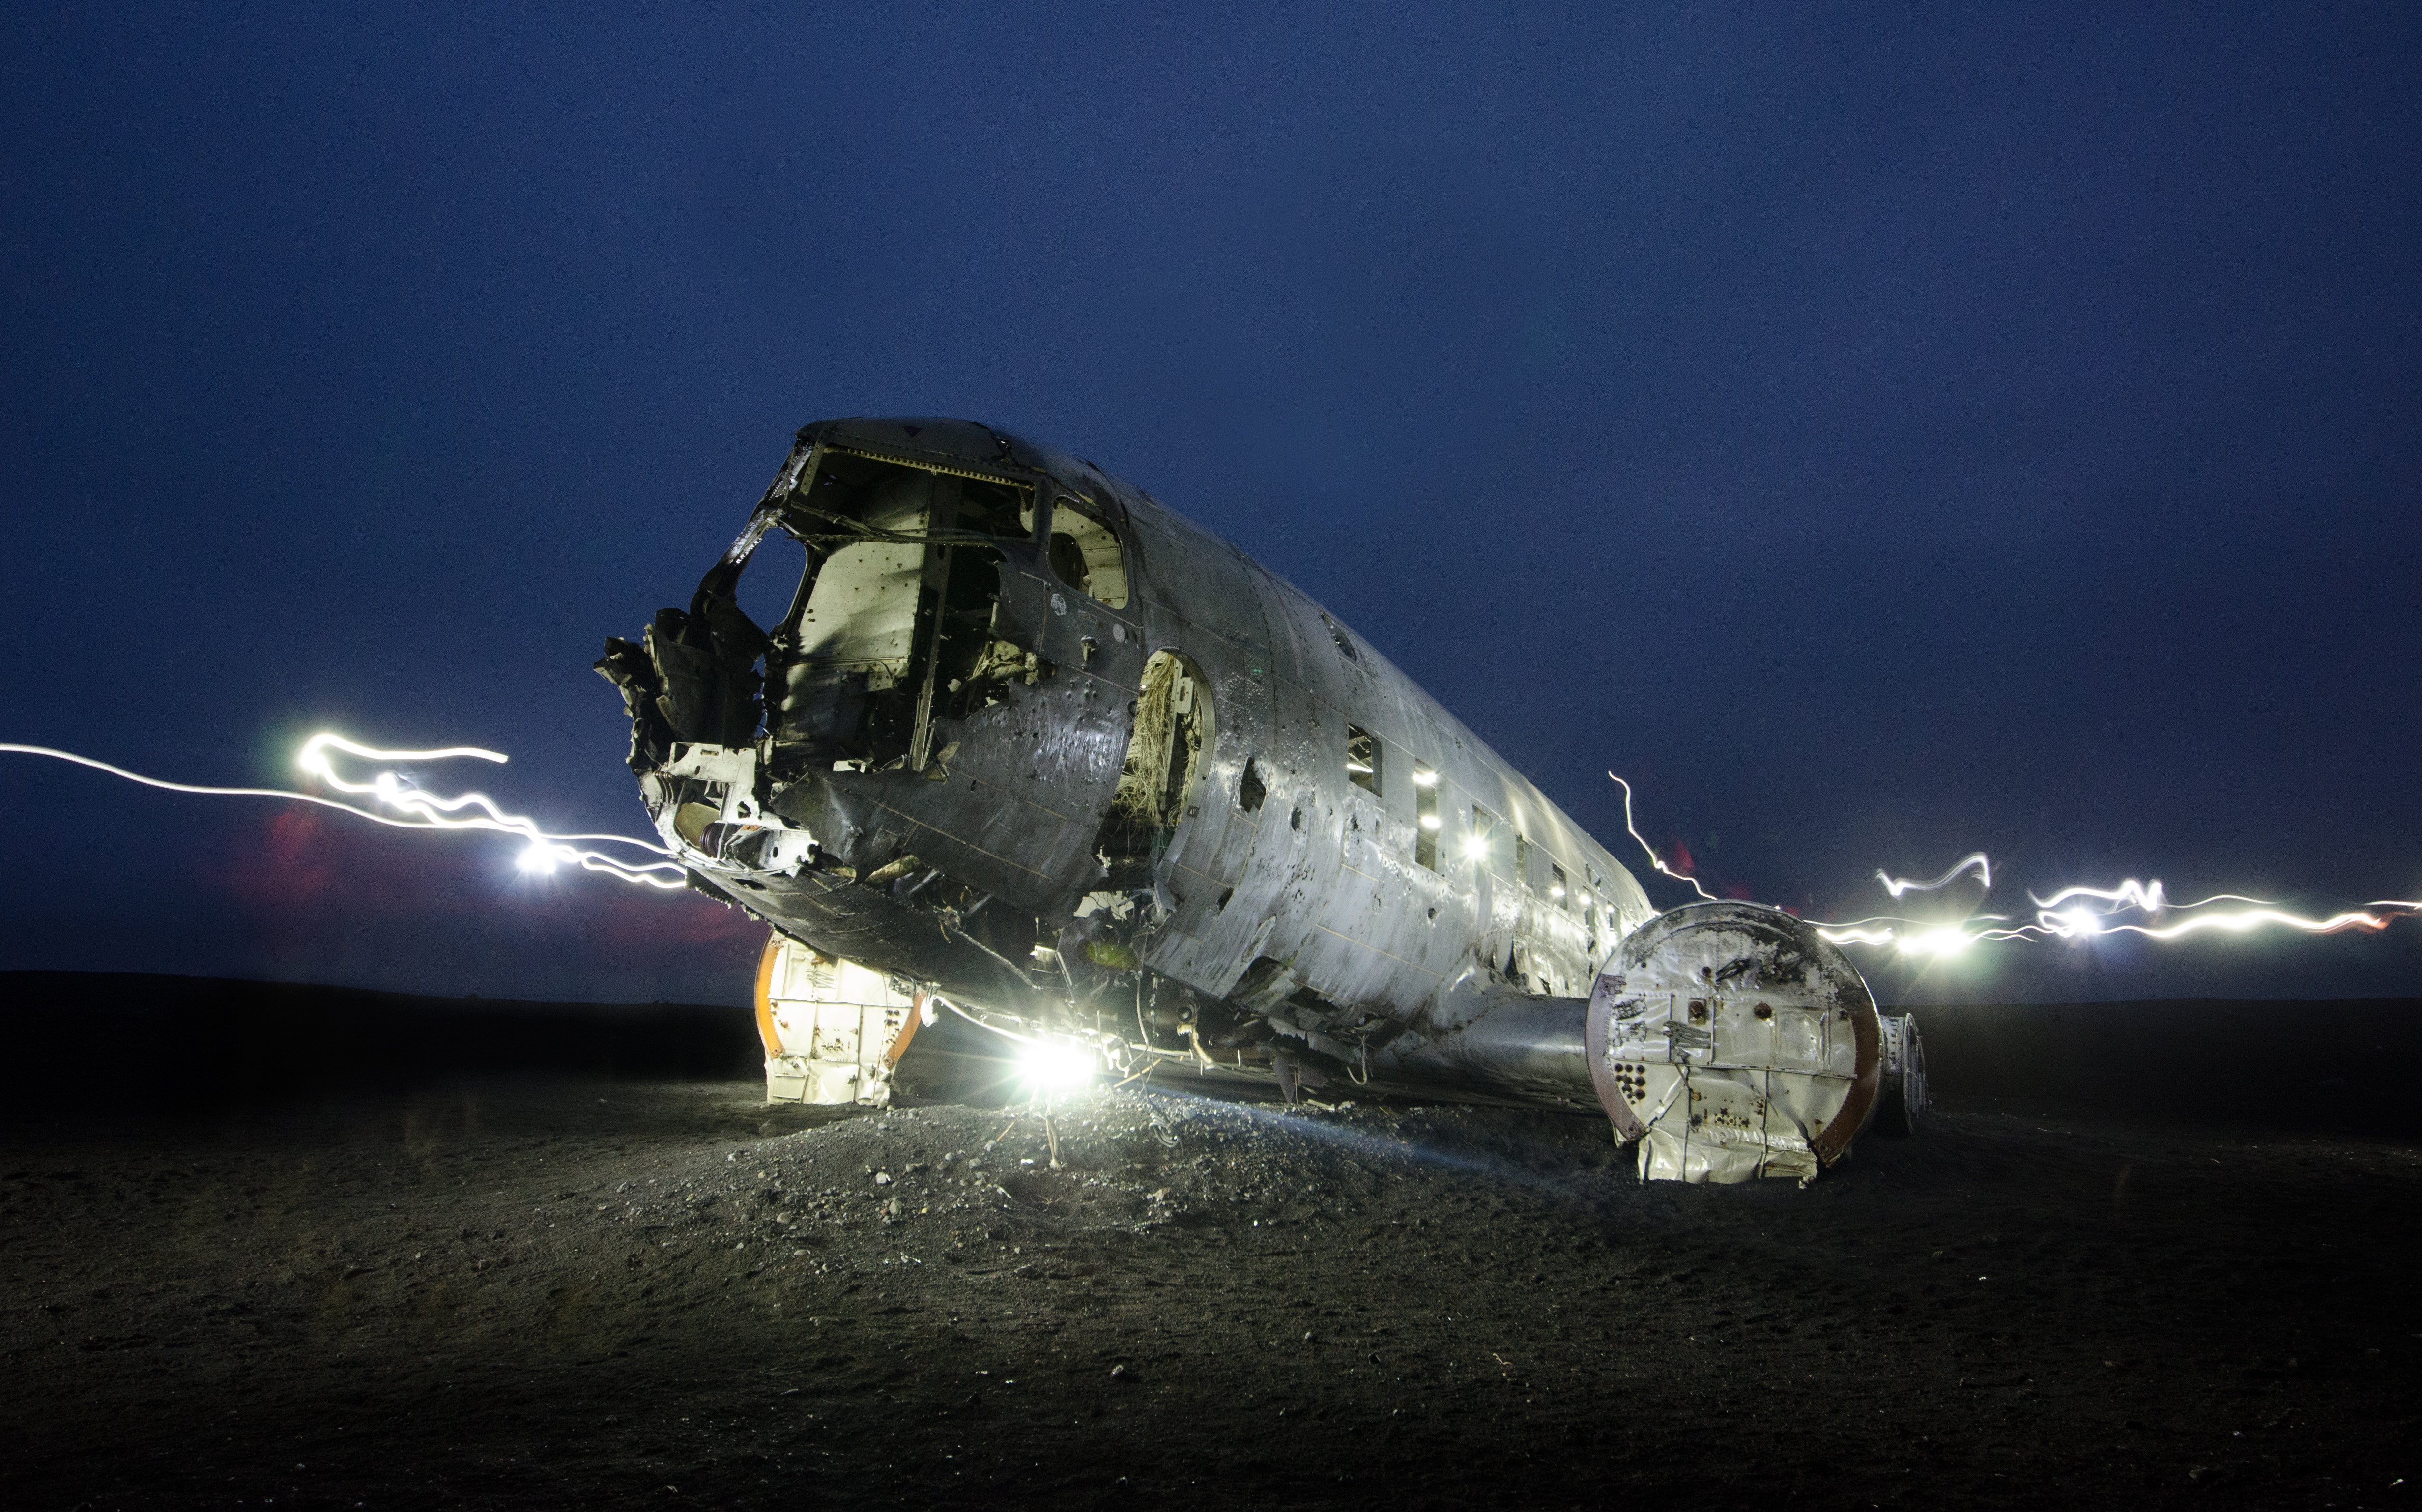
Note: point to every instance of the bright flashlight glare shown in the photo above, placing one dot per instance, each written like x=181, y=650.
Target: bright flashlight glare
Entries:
x=1054, y=1066
x=1949, y=940
x=1475, y=847
x=403, y=804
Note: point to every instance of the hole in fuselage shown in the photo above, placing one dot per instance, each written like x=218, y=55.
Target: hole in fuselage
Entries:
x=1166, y=753
x=1249, y=789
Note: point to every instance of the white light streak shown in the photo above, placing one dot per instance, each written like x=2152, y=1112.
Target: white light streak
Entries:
x=2083, y=913
x=1950, y=939
x=2072, y=913
x=1857, y=934
x=2080, y=922
x=1898, y=885
x=1654, y=860
x=399, y=802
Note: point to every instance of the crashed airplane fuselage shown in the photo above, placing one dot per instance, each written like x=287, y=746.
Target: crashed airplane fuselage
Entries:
x=1029, y=747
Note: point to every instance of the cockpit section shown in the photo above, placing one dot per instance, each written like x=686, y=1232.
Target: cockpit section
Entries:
x=897, y=694
x=896, y=622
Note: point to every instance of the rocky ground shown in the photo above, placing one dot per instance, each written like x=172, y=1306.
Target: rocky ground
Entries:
x=563, y=1291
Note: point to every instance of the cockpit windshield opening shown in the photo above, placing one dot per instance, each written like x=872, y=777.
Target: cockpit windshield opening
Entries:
x=891, y=627
x=1085, y=552
x=1363, y=758
x=769, y=591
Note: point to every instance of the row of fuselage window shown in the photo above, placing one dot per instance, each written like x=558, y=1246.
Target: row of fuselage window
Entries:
x=1491, y=842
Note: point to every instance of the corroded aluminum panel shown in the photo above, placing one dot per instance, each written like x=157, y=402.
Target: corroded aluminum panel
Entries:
x=1731, y=1041
x=1282, y=886
x=833, y=1027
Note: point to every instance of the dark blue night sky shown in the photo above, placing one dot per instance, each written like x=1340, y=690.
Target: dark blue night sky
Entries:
x=1879, y=433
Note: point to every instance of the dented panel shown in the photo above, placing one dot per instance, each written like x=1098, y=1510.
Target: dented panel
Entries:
x=1731, y=1041
x=1029, y=738
x=834, y=1028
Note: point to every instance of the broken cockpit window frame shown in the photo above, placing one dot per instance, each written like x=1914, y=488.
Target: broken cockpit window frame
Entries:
x=771, y=579
x=1085, y=551
x=895, y=623
x=1363, y=758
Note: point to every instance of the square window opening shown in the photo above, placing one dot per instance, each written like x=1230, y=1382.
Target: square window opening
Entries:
x=1363, y=758
x=1490, y=845
x=1085, y=552
x=1426, y=815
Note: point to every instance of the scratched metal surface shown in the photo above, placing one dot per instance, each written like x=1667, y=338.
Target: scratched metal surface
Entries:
x=1309, y=905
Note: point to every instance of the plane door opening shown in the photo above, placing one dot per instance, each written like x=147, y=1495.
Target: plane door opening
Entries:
x=1166, y=757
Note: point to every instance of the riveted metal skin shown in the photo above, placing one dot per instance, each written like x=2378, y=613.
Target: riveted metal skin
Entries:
x=1035, y=741
x=1731, y=1040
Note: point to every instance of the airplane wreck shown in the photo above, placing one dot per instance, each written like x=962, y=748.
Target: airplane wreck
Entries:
x=1032, y=766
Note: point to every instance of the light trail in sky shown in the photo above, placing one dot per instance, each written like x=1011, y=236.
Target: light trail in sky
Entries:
x=2133, y=907
x=2083, y=913
x=1654, y=860
x=1978, y=859
x=400, y=802
x=2073, y=913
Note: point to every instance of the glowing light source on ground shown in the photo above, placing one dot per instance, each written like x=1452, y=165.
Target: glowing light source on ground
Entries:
x=1053, y=1067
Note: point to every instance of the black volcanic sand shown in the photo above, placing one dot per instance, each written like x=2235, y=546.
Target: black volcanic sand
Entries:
x=519, y=1290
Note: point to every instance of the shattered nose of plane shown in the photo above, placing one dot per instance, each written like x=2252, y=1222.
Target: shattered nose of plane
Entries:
x=905, y=760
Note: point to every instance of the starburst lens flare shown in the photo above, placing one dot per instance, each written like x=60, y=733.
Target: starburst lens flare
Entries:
x=397, y=800
x=538, y=861
x=1948, y=941
x=1054, y=1067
